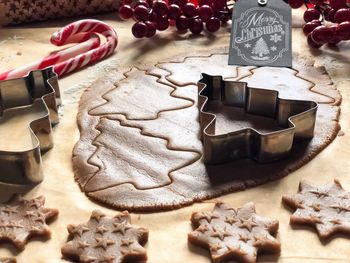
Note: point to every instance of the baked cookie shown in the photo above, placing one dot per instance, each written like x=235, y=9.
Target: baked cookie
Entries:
x=21, y=219
x=103, y=239
x=325, y=208
x=234, y=234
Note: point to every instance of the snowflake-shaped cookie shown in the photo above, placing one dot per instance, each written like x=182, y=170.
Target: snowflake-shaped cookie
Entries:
x=20, y=219
x=234, y=234
x=107, y=240
x=325, y=208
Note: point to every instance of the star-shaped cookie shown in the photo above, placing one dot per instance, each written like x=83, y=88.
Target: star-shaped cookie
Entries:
x=20, y=219
x=326, y=208
x=107, y=240
x=234, y=234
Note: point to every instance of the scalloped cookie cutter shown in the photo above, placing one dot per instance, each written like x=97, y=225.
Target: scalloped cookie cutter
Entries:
x=39, y=92
x=297, y=119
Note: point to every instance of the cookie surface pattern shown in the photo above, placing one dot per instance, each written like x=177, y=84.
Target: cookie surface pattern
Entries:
x=231, y=233
x=21, y=219
x=105, y=239
x=325, y=208
x=123, y=144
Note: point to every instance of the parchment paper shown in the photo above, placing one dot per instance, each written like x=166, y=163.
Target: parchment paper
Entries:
x=168, y=230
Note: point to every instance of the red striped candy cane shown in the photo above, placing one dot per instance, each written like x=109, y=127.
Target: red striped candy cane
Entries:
x=87, y=51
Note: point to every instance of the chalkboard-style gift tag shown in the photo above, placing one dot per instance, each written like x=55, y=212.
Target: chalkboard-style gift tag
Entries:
x=261, y=33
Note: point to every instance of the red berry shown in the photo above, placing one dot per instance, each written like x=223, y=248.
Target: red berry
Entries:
x=126, y=2
x=311, y=14
x=310, y=26
x=142, y=2
x=174, y=12
x=160, y=8
x=151, y=28
x=153, y=17
x=172, y=22
x=182, y=23
x=295, y=3
x=317, y=2
x=219, y=4
x=162, y=23
x=342, y=15
x=337, y=4
x=139, y=29
x=213, y=24
x=343, y=31
x=141, y=13
x=329, y=14
x=190, y=10
x=126, y=12
x=312, y=43
x=196, y=26
x=205, y=12
x=205, y=2
x=335, y=40
x=180, y=3
x=322, y=34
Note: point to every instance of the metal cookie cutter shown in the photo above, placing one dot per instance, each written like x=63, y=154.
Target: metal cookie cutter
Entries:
x=296, y=117
x=39, y=93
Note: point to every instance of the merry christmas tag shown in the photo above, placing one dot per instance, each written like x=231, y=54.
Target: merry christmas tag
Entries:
x=261, y=33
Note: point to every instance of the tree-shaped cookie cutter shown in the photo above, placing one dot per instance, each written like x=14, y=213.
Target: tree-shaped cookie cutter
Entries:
x=296, y=118
x=38, y=91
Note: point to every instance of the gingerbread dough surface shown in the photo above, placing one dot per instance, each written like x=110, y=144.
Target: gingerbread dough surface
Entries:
x=139, y=147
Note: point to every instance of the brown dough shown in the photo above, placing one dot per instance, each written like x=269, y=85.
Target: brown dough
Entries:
x=326, y=208
x=21, y=219
x=103, y=239
x=145, y=156
x=234, y=234
x=8, y=260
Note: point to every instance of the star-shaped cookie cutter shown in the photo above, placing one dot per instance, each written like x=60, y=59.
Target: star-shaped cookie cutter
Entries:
x=39, y=91
x=297, y=119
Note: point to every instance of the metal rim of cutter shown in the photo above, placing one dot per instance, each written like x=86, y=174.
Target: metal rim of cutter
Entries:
x=296, y=117
x=40, y=90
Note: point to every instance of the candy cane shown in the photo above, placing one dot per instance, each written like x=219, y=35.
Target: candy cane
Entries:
x=87, y=51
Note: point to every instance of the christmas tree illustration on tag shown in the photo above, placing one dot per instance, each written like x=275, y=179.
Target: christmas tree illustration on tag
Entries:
x=260, y=50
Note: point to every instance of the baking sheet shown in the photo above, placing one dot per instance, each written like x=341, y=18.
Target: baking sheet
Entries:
x=168, y=230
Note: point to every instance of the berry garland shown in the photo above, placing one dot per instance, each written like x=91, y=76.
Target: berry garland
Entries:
x=193, y=15
x=327, y=21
